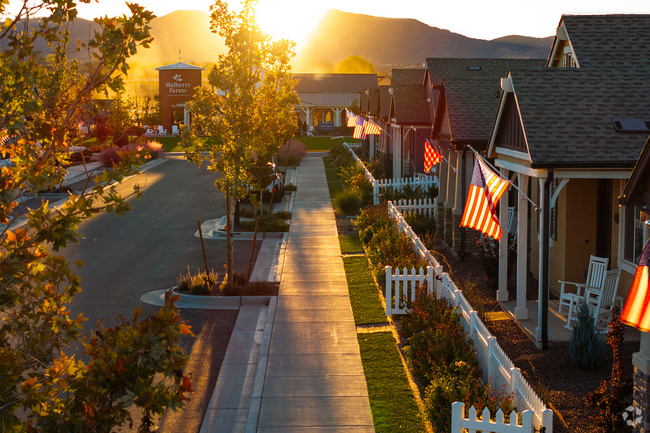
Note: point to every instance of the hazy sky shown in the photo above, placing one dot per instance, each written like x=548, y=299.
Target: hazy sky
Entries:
x=484, y=19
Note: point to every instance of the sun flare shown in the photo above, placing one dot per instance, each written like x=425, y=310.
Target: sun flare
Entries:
x=288, y=19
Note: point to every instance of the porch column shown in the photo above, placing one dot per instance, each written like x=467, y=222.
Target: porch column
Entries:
x=544, y=260
x=442, y=193
x=371, y=147
x=521, y=312
x=397, y=152
x=451, y=199
x=502, y=293
x=337, y=116
x=308, y=116
x=462, y=183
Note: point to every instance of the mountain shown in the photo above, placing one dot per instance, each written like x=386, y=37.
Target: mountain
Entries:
x=392, y=41
x=385, y=42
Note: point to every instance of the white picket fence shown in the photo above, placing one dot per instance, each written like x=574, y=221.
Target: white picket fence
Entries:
x=425, y=206
x=484, y=424
x=403, y=290
x=397, y=184
x=495, y=364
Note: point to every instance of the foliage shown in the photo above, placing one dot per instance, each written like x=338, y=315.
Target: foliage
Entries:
x=408, y=192
x=354, y=178
x=586, y=346
x=133, y=367
x=267, y=223
x=102, y=130
x=200, y=284
x=111, y=156
x=488, y=251
x=355, y=65
x=290, y=187
x=443, y=359
x=291, y=153
x=371, y=220
x=389, y=248
x=422, y=224
x=147, y=111
x=611, y=398
x=248, y=107
x=347, y=202
x=120, y=119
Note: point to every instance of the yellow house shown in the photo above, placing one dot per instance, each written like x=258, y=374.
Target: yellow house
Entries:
x=571, y=134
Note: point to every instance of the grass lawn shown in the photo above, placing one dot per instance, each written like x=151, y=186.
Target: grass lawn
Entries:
x=391, y=399
x=319, y=144
x=333, y=182
x=350, y=244
x=366, y=303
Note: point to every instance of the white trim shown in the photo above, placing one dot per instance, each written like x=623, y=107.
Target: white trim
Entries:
x=555, y=195
x=593, y=174
x=626, y=266
x=512, y=166
x=513, y=153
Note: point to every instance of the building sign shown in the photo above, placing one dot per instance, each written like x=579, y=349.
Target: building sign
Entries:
x=176, y=84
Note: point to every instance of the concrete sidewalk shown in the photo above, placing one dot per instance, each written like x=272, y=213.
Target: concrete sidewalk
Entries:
x=298, y=367
x=314, y=377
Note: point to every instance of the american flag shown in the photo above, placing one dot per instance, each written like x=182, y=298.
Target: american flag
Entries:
x=485, y=190
x=352, y=119
x=372, y=128
x=637, y=307
x=5, y=137
x=360, y=128
x=431, y=156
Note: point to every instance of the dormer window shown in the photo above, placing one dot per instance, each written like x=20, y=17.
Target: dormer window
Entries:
x=474, y=68
x=568, y=61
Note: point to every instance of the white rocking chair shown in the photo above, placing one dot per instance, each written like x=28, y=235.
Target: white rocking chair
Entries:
x=595, y=280
x=600, y=302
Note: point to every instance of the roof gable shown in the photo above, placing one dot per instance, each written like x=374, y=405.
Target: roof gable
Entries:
x=409, y=105
x=407, y=77
x=373, y=102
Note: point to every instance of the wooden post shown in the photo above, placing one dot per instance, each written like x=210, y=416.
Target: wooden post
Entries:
x=205, y=260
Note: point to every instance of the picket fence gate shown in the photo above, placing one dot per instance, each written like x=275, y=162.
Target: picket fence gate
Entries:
x=494, y=362
x=485, y=424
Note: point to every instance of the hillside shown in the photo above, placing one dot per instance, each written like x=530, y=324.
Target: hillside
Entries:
x=385, y=42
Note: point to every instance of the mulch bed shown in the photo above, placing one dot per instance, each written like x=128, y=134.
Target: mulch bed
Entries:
x=551, y=373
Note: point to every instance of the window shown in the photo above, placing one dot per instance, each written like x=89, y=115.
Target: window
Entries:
x=568, y=61
x=635, y=232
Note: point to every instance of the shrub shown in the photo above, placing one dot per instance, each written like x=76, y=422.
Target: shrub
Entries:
x=283, y=214
x=268, y=223
x=292, y=152
x=586, y=347
x=290, y=187
x=423, y=225
x=200, y=284
x=370, y=220
x=389, y=248
x=110, y=156
x=347, y=202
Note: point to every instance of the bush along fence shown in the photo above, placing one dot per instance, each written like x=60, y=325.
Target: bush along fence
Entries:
x=398, y=184
x=497, y=368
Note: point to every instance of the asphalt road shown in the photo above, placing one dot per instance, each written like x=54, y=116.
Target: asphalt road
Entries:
x=147, y=249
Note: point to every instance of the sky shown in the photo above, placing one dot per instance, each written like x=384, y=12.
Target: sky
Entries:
x=482, y=19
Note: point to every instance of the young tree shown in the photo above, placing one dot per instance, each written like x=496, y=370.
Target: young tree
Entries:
x=248, y=109
x=355, y=65
x=42, y=388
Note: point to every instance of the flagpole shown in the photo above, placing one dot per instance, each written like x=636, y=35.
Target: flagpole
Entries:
x=501, y=176
x=441, y=155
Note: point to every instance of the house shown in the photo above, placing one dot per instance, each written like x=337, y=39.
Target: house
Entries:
x=324, y=97
x=409, y=121
x=463, y=95
x=571, y=134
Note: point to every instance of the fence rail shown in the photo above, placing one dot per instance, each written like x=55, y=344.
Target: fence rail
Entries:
x=459, y=422
x=495, y=364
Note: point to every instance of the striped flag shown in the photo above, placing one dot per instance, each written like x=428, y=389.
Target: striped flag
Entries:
x=431, y=156
x=360, y=128
x=372, y=128
x=485, y=190
x=637, y=307
x=351, y=118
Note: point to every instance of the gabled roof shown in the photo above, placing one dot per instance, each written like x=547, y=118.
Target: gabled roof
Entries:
x=409, y=105
x=471, y=104
x=407, y=77
x=363, y=102
x=334, y=83
x=608, y=40
x=638, y=187
x=180, y=65
x=342, y=100
x=373, y=101
x=567, y=116
x=384, y=101
x=481, y=69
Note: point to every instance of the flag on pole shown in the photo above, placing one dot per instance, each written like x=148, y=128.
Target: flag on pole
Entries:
x=431, y=156
x=485, y=190
x=372, y=128
x=352, y=119
x=360, y=128
x=636, y=312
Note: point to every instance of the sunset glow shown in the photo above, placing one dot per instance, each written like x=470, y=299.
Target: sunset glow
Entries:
x=288, y=19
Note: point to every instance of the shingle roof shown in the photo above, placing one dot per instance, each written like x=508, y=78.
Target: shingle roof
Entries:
x=327, y=99
x=363, y=102
x=610, y=40
x=180, y=65
x=471, y=104
x=334, y=83
x=407, y=77
x=373, y=101
x=411, y=106
x=384, y=101
x=567, y=115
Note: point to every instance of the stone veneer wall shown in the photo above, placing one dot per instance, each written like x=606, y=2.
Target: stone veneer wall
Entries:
x=449, y=227
x=470, y=245
x=440, y=220
x=641, y=400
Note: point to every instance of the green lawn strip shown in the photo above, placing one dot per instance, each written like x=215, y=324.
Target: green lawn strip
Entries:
x=173, y=144
x=366, y=303
x=333, y=182
x=319, y=144
x=392, y=402
x=350, y=244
